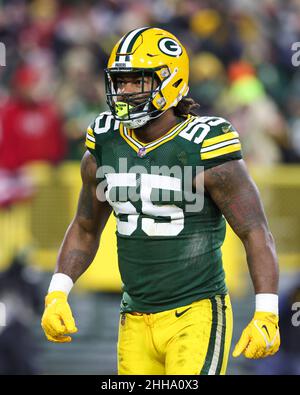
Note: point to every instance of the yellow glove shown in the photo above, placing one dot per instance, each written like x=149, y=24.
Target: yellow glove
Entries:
x=261, y=337
x=57, y=320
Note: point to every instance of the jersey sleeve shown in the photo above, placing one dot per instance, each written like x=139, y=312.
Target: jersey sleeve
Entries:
x=90, y=141
x=91, y=144
x=97, y=133
x=221, y=144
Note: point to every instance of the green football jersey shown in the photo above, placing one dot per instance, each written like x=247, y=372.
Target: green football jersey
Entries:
x=169, y=233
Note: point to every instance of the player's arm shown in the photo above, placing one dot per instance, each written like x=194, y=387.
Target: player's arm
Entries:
x=77, y=252
x=234, y=192
x=82, y=238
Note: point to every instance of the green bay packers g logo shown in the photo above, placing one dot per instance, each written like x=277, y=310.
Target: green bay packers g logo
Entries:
x=169, y=47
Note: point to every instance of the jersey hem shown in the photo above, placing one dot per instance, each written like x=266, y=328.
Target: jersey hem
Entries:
x=185, y=302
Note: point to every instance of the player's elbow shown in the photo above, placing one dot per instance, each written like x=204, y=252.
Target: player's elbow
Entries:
x=259, y=236
x=86, y=231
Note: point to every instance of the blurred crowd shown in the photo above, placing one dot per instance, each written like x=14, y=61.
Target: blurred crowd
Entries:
x=240, y=60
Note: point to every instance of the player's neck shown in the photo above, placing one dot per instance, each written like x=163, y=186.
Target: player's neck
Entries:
x=157, y=127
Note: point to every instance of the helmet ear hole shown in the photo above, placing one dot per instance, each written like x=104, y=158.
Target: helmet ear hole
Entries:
x=177, y=83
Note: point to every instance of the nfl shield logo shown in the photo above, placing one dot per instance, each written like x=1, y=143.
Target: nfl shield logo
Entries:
x=142, y=152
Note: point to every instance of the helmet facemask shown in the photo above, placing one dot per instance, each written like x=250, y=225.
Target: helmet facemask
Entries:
x=132, y=109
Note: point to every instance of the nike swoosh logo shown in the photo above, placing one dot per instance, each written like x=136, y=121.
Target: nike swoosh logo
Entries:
x=269, y=344
x=266, y=329
x=182, y=312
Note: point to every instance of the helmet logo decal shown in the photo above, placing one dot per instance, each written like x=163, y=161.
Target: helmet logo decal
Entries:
x=169, y=47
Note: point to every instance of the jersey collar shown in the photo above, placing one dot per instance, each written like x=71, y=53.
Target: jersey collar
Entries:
x=129, y=136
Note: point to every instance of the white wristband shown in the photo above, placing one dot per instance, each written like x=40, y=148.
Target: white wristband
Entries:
x=61, y=282
x=267, y=303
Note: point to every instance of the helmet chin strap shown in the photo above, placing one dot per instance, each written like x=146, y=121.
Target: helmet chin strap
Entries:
x=136, y=123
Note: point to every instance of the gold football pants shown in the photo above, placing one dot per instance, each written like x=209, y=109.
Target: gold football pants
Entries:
x=193, y=339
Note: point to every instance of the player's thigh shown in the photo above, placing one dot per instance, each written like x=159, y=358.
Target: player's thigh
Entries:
x=202, y=345
x=135, y=354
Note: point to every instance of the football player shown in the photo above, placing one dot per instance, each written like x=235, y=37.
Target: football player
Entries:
x=176, y=316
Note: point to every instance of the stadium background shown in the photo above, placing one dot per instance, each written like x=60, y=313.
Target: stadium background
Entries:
x=51, y=89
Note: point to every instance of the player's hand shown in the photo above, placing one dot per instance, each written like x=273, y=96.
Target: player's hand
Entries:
x=261, y=337
x=57, y=321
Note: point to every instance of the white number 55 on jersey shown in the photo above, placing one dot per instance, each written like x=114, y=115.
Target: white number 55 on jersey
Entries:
x=175, y=214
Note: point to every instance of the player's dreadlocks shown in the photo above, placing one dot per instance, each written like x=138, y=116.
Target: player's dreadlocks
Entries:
x=186, y=106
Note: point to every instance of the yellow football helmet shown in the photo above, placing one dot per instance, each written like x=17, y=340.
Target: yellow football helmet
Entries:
x=151, y=52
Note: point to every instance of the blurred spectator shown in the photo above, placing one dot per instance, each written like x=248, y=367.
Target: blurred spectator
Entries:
x=31, y=126
x=208, y=80
x=15, y=186
x=256, y=116
x=80, y=96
